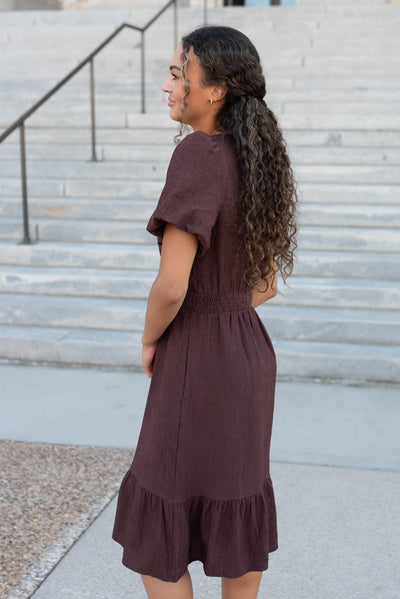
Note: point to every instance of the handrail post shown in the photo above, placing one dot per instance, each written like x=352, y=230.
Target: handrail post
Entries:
x=92, y=112
x=205, y=12
x=26, y=239
x=175, y=24
x=143, y=31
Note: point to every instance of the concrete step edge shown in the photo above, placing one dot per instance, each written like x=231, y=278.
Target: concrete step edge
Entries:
x=307, y=348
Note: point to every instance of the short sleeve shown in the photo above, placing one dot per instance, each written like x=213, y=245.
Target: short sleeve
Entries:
x=191, y=197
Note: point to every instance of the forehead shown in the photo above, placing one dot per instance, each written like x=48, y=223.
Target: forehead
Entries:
x=176, y=59
x=192, y=58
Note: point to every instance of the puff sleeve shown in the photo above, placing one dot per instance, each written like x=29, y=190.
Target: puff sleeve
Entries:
x=191, y=197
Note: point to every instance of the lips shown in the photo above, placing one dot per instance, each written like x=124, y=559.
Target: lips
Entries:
x=171, y=102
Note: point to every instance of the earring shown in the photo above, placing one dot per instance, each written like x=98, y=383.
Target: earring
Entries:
x=211, y=100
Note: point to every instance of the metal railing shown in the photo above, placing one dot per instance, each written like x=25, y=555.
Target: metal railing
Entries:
x=20, y=122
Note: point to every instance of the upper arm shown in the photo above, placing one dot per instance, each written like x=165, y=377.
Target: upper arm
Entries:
x=192, y=195
x=178, y=251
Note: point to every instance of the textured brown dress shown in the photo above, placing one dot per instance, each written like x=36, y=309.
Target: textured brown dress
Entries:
x=199, y=485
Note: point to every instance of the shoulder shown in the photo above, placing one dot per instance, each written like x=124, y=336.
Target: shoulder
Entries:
x=197, y=140
x=199, y=150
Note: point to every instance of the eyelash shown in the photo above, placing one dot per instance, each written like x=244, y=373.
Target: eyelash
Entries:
x=174, y=77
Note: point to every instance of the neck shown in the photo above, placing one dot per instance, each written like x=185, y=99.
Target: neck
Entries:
x=209, y=128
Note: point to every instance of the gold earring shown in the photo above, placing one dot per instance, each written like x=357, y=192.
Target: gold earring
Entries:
x=211, y=100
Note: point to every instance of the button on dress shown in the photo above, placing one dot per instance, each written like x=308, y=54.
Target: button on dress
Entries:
x=199, y=486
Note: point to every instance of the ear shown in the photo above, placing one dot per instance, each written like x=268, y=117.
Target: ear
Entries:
x=219, y=91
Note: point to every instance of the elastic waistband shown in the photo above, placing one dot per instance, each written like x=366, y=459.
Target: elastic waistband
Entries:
x=217, y=302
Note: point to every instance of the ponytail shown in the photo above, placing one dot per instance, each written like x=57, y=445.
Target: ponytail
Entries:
x=268, y=195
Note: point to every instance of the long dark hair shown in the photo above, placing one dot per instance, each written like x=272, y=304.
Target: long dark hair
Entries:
x=268, y=194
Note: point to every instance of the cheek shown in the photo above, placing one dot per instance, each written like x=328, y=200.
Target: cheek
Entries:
x=177, y=89
x=200, y=101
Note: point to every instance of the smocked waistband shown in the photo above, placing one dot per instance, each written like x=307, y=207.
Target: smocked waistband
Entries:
x=217, y=302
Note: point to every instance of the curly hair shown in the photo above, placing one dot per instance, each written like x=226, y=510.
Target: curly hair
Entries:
x=268, y=195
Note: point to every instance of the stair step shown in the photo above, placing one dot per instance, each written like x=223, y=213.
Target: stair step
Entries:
x=334, y=325
x=329, y=193
x=123, y=97
x=162, y=153
x=303, y=359
x=351, y=239
x=345, y=264
x=73, y=312
x=305, y=120
x=281, y=107
x=356, y=82
x=76, y=169
x=107, y=209
x=349, y=215
x=323, y=264
x=78, y=230
x=83, y=282
x=351, y=107
x=309, y=237
x=80, y=282
x=119, y=60
x=347, y=362
x=101, y=188
x=336, y=193
x=361, y=122
x=341, y=293
x=113, y=70
x=92, y=255
x=90, y=209
x=96, y=172
x=367, y=140
x=73, y=347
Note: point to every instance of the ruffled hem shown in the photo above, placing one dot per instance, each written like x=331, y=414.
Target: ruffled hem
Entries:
x=160, y=537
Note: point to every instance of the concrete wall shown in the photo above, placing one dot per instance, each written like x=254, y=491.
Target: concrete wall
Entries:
x=29, y=5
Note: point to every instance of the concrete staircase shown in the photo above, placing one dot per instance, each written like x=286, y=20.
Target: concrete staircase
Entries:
x=78, y=295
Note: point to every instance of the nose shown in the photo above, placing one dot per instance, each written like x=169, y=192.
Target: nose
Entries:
x=166, y=87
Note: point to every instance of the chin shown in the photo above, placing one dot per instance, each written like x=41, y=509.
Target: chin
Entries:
x=176, y=115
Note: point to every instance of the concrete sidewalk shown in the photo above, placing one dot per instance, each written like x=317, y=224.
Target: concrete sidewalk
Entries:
x=338, y=533
x=335, y=465
x=314, y=423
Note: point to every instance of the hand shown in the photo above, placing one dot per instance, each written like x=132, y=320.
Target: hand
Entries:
x=148, y=353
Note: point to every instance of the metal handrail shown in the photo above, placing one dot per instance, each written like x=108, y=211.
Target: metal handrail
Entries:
x=20, y=122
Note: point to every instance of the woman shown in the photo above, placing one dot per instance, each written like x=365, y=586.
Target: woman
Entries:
x=199, y=486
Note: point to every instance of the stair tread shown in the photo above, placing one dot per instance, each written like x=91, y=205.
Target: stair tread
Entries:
x=333, y=230
x=282, y=345
x=266, y=311
x=143, y=274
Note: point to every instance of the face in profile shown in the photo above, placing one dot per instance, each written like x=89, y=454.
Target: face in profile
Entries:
x=198, y=111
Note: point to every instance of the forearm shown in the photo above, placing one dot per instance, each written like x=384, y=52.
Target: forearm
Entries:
x=160, y=312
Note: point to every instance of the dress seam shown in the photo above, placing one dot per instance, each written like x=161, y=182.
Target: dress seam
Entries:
x=180, y=408
x=213, y=499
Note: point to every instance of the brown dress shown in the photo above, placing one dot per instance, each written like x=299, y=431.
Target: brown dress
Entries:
x=199, y=485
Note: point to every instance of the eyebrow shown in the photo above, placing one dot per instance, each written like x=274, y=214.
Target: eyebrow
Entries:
x=173, y=66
